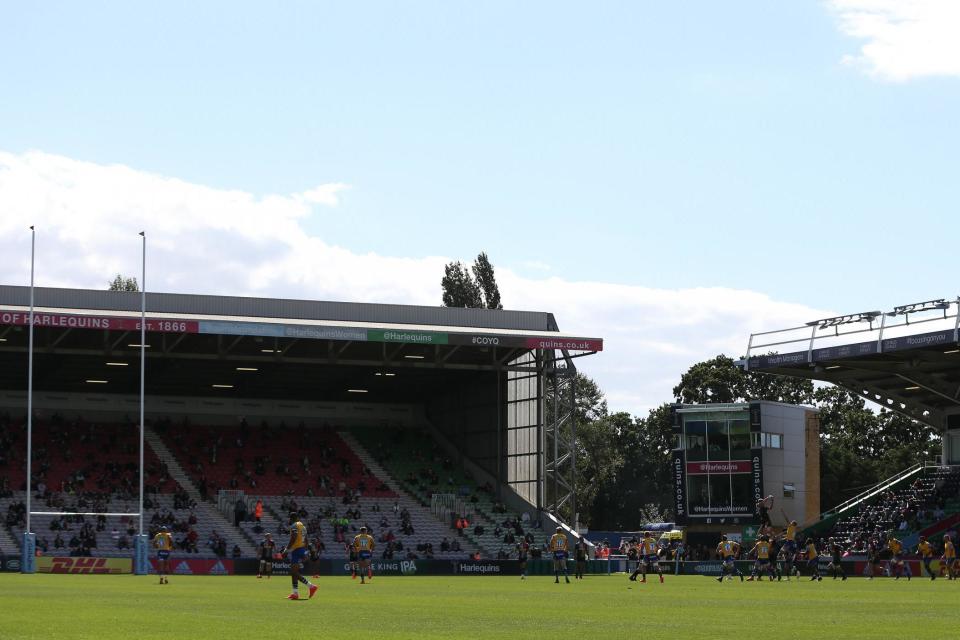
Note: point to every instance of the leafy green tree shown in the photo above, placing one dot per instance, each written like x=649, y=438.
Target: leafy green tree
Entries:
x=721, y=380
x=487, y=281
x=121, y=283
x=642, y=485
x=479, y=291
x=459, y=289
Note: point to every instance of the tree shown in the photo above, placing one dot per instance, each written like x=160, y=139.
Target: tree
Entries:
x=479, y=291
x=721, y=380
x=860, y=447
x=640, y=491
x=487, y=281
x=121, y=283
x=459, y=289
x=599, y=460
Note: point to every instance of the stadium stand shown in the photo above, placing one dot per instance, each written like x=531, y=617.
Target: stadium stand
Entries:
x=418, y=463
x=338, y=481
x=913, y=506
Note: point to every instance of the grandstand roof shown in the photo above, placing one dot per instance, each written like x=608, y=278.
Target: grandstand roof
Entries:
x=296, y=347
x=913, y=373
x=278, y=318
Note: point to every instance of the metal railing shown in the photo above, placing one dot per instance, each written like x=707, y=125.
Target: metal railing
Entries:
x=875, y=490
x=812, y=334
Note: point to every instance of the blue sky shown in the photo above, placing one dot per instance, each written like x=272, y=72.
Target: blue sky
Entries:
x=794, y=150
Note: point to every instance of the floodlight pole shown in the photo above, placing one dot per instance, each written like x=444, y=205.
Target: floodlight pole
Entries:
x=33, y=244
x=143, y=356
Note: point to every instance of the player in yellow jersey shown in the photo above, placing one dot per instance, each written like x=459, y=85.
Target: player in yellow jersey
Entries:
x=728, y=551
x=297, y=549
x=560, y=550
x=163, y=543
x=925, y=551
x=761, y=551
x=812, y=554
x=949, y=559
x=363, y=545
x=896, y=559
x=649, y=559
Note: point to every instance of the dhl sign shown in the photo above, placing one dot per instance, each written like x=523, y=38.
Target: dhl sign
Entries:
x=84, y=565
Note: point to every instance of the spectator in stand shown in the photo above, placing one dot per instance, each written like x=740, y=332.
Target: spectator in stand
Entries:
x=239, y=512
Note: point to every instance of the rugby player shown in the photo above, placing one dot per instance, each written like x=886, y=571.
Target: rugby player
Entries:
x=523, y=551
x=363, y=544
x=925, y=549
x=836, y=554
x=896, y=560
x=559, y=549
x=163, y=543
x=949, y=560
x=728, y=550
x=813, y=559
x=648, y=559
x=297, y=548
x=267, y=549
x=761, y=551
x=581, y=558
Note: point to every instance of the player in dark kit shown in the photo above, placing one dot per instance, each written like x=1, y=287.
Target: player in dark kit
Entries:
x=873, y=559
x=580, y=552
x=523, y=551
x=836, y=554
x=354, y=564
x=764, y=506
x=266, y=551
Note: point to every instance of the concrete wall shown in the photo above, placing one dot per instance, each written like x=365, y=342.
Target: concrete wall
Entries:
x=790, y=464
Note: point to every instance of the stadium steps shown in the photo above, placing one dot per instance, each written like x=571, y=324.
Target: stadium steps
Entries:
x=9, y=546
x=173, y=465
x=207, y=512
x=371, y=462
x=410, y=455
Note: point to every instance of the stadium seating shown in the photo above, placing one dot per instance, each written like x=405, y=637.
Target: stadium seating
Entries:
x=419, y=465
x=94, y=467
x=269, y=460
x=903, y=510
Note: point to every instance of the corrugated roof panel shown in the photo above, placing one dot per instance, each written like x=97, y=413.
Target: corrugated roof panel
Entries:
x=179, y=303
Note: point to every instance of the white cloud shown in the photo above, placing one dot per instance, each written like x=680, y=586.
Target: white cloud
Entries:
x=325, y=194
x=204, y=240
x=904, y=39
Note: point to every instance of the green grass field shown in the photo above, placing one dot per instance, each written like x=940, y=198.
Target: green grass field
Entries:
x=48, y=607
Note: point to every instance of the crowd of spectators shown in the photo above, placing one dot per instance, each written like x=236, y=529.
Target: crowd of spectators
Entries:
x=904, y=509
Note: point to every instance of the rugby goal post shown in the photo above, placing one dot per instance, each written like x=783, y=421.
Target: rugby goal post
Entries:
x=28, y=549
